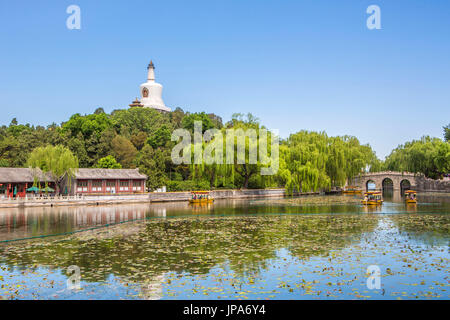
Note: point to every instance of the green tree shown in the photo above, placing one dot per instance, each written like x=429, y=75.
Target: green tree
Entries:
x=240, y=171
x=152, y=163
x=176, y=117
x=78, y=148
x=87, y=125
x=131, y=121
x=188, y=121
x=139, y=140
x=160, y=137
x=108, y=162
x=311, y=160
x=56, y=161
x=124, y=151
x=99, y=111
x=428, y=156
x=447, y=133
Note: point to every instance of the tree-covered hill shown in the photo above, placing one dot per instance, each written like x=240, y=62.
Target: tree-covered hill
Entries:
x=141, y=138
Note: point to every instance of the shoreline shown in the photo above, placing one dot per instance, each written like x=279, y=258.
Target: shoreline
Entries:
x=153, y=197
x=156, y=197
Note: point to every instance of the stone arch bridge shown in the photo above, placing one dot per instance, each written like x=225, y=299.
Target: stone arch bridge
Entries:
x=385, y=178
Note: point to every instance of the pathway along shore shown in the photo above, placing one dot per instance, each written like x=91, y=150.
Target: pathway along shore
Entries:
x=140, y=198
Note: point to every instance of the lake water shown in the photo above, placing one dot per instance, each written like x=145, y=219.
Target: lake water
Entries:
x=317, y=247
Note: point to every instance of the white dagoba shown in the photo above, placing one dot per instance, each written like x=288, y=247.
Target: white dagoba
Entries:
x=151, y=92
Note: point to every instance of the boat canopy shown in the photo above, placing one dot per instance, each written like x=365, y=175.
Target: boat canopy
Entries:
x=372, y=192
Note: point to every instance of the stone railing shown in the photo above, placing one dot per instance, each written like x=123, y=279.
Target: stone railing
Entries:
x=35, y=201
x=42, y=198
x=390, y=173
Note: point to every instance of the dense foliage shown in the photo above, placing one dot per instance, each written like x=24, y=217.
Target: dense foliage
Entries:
x=108, y=162
x=232, y=170
x=428, y=156
x=128, y=138
x=311, y=160
x=56, y=161
x=447, y=133
x=141, y=138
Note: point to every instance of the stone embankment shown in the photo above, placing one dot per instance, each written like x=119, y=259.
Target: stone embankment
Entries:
x=430, y=185
x=137, y=198
x=219, y=194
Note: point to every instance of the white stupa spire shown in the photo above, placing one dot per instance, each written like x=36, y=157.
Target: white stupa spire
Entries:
x=151, y=72
x=151, y=91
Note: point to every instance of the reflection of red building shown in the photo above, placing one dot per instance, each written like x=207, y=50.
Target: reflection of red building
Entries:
x=15, y=181
x=105, y=181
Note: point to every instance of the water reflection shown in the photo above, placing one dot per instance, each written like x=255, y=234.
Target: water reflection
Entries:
x=26, y=222
x=229, y=247
x=425, y=229
x=372, y=209
x=411, y=207
x=30, y=222
x=287, y=256
x=141, y=253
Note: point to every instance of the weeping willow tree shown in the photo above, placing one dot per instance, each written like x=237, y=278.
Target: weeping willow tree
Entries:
x=233, y=155
x=429, y=156
x=54, y=161
x=303, y=162
x=310, y=161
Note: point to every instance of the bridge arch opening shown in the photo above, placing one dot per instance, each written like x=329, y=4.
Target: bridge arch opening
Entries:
x=370, y=185
x=387, y=187
x=405, y=185
x=387, y=183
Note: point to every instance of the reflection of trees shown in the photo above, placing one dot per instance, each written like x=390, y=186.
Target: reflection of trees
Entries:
x=193, y=245
x=429, y=229
x=319, y=236
x=34, y=221
x=430, y=197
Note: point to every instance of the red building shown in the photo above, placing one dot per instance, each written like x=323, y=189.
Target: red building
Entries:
x=15, y=181
x=104, y=181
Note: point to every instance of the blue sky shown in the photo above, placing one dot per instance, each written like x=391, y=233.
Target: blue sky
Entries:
x=294, y=64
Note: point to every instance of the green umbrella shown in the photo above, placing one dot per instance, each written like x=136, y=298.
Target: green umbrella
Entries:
x=47, y=189
x=33, y=189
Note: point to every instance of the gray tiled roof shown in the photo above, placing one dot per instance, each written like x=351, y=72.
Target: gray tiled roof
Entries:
x=16, y=175
x=84, y=173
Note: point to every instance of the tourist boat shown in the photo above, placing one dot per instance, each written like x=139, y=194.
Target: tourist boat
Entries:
x=411, y=196
x=372, y=198
x=352, y=190
x=201, y=197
